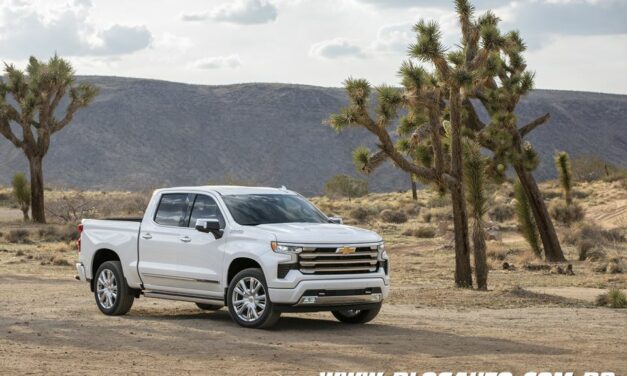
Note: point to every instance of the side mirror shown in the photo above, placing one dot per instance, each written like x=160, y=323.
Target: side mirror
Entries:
x=336, y=220
x=209, y=225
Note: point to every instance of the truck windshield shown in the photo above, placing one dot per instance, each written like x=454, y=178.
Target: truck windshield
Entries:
x=258, y=209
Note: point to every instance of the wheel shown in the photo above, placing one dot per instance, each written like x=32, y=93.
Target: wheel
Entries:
x=112, y=294
x=248, y=300
x=208, y=307
x=356, y=316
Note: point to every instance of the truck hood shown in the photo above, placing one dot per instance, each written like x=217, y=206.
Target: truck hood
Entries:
x=319, y=233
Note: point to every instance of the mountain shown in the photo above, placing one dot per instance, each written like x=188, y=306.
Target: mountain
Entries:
x=141, y=134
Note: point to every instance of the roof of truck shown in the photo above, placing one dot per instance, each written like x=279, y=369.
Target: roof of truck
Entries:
x=232, y=190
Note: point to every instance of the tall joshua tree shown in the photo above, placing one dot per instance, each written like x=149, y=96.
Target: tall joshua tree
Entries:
x=432, y=128
x=30, y=100
x=474, y=175
x=562, y=163
x=504, y=82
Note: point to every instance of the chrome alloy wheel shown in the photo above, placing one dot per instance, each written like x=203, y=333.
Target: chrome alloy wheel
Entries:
x=249, y=299
x=107, y=289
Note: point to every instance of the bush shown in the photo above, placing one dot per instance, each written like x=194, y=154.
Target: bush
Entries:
x=616, y=298
x=420, y=232
x=18, y=236
x=345, y=186
x=564, y=213
x=426, y=216
x=54, y=234
x=501, y=212
x=591, y=167
x=360, y=214
x=412, y=209
x=393, y=216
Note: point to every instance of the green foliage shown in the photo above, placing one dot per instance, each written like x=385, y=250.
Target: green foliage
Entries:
x=361, y=156
x=566, y=213
x=389, y=100
x=526, y=222
x=429, y=46
x=393, y=216
x=562, y=163
x=21, y=192
x=474, y=178
x=345, y=186
x=616, y=298
x=358, y=90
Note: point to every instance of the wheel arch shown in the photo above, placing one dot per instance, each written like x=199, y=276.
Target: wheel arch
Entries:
x=100, y=257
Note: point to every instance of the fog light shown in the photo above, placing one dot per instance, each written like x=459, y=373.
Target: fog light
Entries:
x=375, y=297
x=309, y=299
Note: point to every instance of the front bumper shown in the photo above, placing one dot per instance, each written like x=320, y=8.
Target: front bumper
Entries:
x=332, y=292
x=80, y=272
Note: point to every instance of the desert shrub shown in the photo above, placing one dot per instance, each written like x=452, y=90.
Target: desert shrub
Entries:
x=420, y=232
x=59, y=261
x=412, y=209
x=72, y=207
x=360, y=214
x=393, y=216
x=18, y=236
x=592, y=232
x=501, y=212
x=592, y=167
x=439, y=201
x=565, y=213
x=616, y=298
x=66, y=233
x=345, y=186
x=442, y=214
x=426, y=216
x=21, y=192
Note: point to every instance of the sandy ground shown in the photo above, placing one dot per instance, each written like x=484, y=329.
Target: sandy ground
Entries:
x=51, y=325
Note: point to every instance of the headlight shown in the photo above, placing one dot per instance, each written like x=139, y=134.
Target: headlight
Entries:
x=287, y=249
x=382, y=254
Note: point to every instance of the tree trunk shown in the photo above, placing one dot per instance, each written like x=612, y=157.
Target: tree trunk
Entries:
x=414, y=189
x=37, y=188
x=481, y=267
x=463, y=272
x=550, y=242
x=25, y=212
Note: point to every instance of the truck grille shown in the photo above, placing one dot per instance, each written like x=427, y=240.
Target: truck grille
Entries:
x=342, y=260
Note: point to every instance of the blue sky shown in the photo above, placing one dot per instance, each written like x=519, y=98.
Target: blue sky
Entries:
x=573, y=44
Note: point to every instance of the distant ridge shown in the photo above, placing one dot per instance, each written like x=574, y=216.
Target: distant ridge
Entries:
x=141, y=134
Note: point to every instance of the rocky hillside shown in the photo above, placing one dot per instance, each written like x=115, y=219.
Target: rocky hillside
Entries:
x=141, y=134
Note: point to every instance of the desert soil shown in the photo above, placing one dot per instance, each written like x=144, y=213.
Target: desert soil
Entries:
x=50, y=324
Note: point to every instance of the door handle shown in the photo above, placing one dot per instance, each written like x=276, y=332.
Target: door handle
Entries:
x=185, y=239
x=147, y=236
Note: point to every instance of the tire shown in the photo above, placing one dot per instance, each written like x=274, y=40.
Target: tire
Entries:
x=110, y=280
x=251, y=314
x=357, y=316
x=208, y=307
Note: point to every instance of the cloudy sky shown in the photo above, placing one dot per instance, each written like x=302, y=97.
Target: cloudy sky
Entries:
x=573, y=44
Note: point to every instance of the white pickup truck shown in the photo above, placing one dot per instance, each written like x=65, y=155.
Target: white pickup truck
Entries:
x=259, y=251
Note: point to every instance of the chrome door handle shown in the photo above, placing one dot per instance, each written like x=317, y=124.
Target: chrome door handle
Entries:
x=185, y=239
x=147, y=236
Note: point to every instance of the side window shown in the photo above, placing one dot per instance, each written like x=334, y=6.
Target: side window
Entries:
x=172, y=210
x=205, y=207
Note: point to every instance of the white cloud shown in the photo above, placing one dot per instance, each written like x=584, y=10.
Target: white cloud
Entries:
x=394, y=38
x=334, y=49
x=24, y=31
x=217, y=62
x=194, y=16
x=246, y=12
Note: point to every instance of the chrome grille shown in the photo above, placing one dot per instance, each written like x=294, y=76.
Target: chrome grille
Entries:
x=338, y=260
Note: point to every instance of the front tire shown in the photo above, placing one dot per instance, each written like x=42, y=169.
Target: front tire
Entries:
x=356, y=316
x=248, y=300
x=113, y=296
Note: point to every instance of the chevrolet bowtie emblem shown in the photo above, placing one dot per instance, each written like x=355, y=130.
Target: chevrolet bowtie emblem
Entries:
x=345, y=250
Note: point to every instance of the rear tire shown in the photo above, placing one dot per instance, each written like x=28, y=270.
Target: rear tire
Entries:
x=208, y=307
x=356, y=316
x=113, y=296
x=248, y=300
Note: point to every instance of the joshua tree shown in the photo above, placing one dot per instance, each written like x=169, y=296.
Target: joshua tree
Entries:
x=30, y=100
x=526, y=222
x=562, y=164
x=21, y=192
x=474, y=178
x=505, y=81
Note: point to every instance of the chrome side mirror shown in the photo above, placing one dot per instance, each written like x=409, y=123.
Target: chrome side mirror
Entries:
x=336, y=220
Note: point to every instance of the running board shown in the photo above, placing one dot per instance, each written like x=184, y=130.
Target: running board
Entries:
x=183, y=297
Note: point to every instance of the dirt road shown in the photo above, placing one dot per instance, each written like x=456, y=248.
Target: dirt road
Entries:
x=51, y=325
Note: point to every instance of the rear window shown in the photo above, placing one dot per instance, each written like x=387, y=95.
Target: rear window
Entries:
x=172, y=210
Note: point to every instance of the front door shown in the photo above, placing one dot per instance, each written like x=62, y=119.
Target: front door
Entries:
x=175, y=257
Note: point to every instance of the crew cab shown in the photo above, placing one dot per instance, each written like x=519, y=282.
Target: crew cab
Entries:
x=258, y=251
